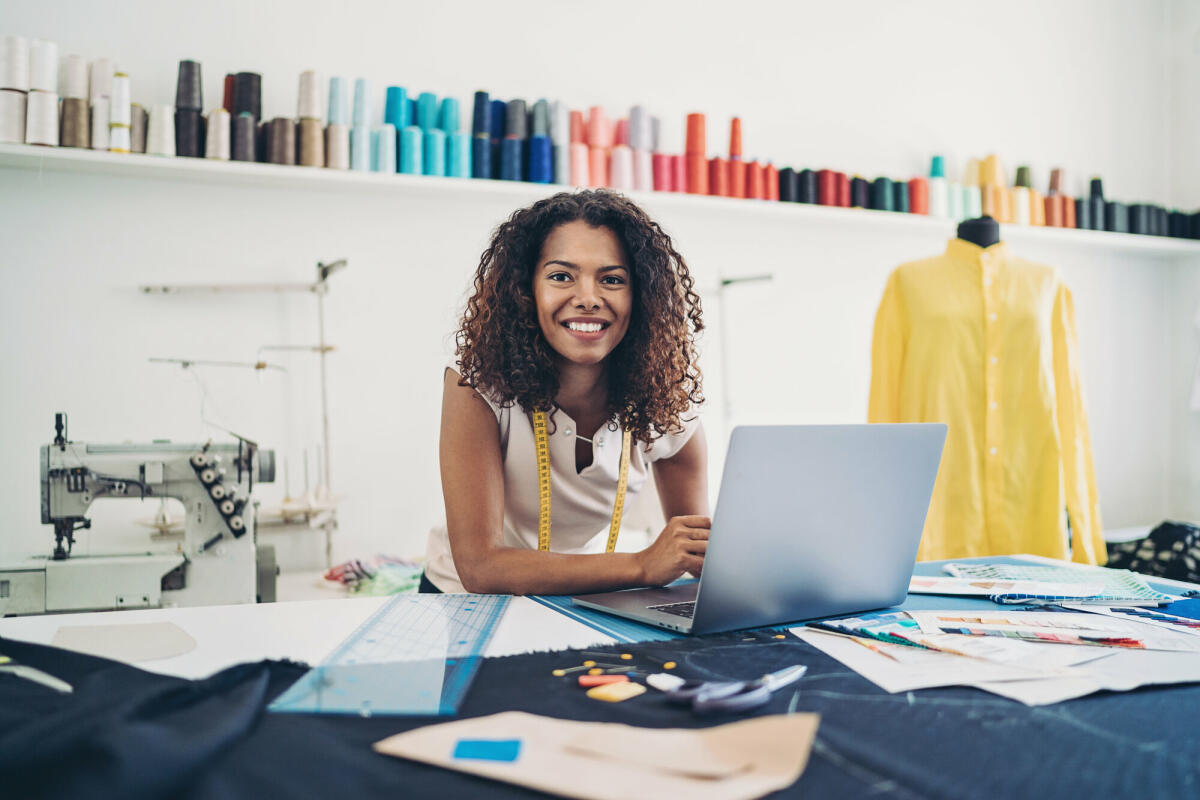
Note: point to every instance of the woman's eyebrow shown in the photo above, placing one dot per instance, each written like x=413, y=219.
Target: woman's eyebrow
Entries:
x=560, y=262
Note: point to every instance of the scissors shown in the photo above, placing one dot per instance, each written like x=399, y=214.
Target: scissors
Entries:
x=33, y=674
x=708, y=696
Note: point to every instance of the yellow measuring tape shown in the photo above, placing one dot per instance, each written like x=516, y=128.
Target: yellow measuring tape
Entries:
x=541, y=442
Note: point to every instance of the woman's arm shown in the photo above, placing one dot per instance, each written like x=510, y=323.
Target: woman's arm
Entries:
x=473, y=488
x=682, y=482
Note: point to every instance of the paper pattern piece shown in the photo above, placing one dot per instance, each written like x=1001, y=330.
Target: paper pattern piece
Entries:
x=1004, y=591
x=602, y=760
x=1120, y=586
x=131, y=643
x=1058, y=627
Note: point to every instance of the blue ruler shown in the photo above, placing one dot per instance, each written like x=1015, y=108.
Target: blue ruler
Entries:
x=417, y=655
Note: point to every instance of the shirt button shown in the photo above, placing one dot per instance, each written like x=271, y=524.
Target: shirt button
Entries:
x=567, y=432
x=987, y=281
x=994, y=360
x=992, y=316
x=993, y=405
x=992, y=451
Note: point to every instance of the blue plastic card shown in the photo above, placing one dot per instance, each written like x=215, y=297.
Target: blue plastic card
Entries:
x=488, y=749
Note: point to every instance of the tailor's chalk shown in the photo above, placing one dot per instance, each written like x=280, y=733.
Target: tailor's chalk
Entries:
x=588, y=681
x=427, y=111
x=362, y=108
x=826, y=187
x=918, y=196
x=883, y=196
x=433, y=154
x=808, y=186
x=616, y=692
x=487, y=749
x=512, y=159
x=412, y=157
x=395, y=108
x=664, y=682
x=541, y=160
x=384, y=145
x=458, y=155
x=448, y=116
x=789, y=185
x=900, y=197
x=338, y=114
x=481, y=119
x=860, y=193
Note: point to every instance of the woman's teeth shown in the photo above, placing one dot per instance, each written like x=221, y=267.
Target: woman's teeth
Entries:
x=585, y=327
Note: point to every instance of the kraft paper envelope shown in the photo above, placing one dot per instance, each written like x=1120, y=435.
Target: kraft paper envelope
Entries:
x=601, y=760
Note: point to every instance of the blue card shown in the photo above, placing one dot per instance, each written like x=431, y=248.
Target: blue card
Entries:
x=488, y=749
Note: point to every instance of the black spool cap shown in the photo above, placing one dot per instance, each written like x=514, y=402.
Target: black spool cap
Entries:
x=808, y=186
x=188, y=91
x=1096, y=189
x=789, y=186
x=188, y=137
x=860, y=193
x=247, y=94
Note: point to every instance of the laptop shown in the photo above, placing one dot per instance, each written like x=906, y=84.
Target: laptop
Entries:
x=811, y=521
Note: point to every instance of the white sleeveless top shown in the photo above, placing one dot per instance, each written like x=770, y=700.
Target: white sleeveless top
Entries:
x=581, y=503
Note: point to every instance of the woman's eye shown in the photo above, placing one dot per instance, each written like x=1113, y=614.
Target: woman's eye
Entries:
x=559, y=276
x=613, y=280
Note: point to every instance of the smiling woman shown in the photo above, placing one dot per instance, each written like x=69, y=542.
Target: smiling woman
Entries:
x=575, y=375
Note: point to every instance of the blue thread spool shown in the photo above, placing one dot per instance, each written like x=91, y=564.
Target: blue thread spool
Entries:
x=362, y=102
x=395, y=110
x=458, y=155
x=541, y=160
x=360, y=148
x=481, y=157
x=435, y=152
x=411, y=158
x=512, y=167
x=384, y=140
x=448, y=115
x=427, y=108
x=337, y=102
x=481, y=121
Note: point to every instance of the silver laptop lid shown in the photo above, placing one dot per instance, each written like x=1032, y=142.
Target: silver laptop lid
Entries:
x=816, y=520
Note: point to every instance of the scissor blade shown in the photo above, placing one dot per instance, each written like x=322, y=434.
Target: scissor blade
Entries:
x=781, y=678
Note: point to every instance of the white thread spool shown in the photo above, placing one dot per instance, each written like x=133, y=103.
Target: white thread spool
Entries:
x=119, y=139
x=337, y=146
x=160, y=131
x=74, y=78
x=14, y=64
x=102, y=75
x=43, y=66
x=216, y=146
x=308, y=104
x=12, y=116
x=100, y=123
x=118, y=106
x=41, y=118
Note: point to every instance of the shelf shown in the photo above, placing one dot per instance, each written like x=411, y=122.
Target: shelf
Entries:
x=240, y=173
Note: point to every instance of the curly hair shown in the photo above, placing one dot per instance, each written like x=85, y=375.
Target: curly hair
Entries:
x=652, y=374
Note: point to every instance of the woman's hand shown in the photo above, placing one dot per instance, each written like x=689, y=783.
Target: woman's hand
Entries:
x=678, y=549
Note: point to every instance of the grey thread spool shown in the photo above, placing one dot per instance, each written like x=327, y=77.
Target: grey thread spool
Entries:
x=244, y=138
x=281, y=141
x=188, y=93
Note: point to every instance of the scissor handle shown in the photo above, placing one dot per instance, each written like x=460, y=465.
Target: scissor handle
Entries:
x=745, y=696
x=687, y=693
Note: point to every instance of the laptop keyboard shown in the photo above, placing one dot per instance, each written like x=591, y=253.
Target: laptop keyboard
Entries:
x=678, y=609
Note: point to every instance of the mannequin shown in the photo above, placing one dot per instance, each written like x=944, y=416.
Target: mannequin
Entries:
x=983, y=231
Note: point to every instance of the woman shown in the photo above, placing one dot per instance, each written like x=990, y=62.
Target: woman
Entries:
x=578, y=342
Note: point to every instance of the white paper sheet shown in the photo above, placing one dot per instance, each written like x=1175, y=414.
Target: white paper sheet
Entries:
x=1068, y=623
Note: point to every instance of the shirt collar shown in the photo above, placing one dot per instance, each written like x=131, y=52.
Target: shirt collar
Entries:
x=972, y=254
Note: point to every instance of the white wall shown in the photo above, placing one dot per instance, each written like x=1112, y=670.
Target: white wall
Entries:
x=872, y=87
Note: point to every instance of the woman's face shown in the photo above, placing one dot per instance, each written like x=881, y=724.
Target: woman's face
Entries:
x=583, y=292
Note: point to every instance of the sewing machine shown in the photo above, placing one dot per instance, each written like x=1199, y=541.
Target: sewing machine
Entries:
x=214, y=560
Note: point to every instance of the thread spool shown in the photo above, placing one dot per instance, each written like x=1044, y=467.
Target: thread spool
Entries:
x=189, y=133
x=918, y=196
x=643, y=171
x=664, y=174
x=395, y=107
x=900, y=197
x=1054, y=211
x=43, y=70
x=119, y=140
x=458, y=155
x=100, y=123
x=227, y=94
x=1116, y=217
x=620, y=171
x=735, y=138
x=247, y=95
x=120, y=115
x=14, y=66
x=972, y=202
x=771, y=181
x=362, y=111
x=73, y=80
x=448, y=115
x=412, y=157
x=641, y=135
x=383, y=148
x=427, y=111
x=481, y=115
x=74, y=132
x=360, y=148
x=597, y=166
x=337, y=146
x=433, y=156
x=160, y=131
x=310, y=143
x=718, y=177
x=695, y=154
x=137, y=128
x=216, y=142
x=1037, y=208
x=991, y=172
x=599, y=131
x=244, y=137
x=539, y=119
x=512, y=158
x=860, y=192
x=560, y=140
x=808, y=186
x=843, y=189
x=826, y=187
x=498, y=119
x=939, y=196
x=12, y=116
x=516, y=119
x=481, y=156
x=621, y=132
x=188, y=91
x=281, y=141
x=100, y=80
x=338, y=114
x=541, y=161
x=580, y=172
x=789, y=185
x=308, y=97
x=655, y=133
x=755, y=188
x=954, y=201
x=41, y=118
x=883, y=196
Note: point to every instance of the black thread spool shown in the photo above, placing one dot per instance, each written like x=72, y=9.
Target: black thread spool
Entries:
x=1116, y=217
x=808, y=186
x=247, y=94
x=860, y=193
x=789, y=186
x=188, y=93
x=243, y=143
x=188, y=139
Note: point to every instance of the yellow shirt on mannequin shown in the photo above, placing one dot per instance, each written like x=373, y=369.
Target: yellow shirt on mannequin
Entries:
x=986, y=343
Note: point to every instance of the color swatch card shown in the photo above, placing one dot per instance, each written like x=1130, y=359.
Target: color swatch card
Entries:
x=1056, y=627
x=1118, y=586
x=1005, y=590
x=1147, y=616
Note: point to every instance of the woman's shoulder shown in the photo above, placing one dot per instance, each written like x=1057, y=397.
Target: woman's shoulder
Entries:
x=672, y=441
x=453, y=369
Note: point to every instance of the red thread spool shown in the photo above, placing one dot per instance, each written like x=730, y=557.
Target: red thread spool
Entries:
x=622, y=134
x=598, y=167
x=826, y=187
x=577, y=136
x=918, y=196
x=664, y=172
x=735, y=139
x=771, y=182
x=1068, y=211
x=695, y=155
x=227, y=101
x=1054, y=211
x=718, y=177
x=754, y=181
x=843, y=189
x=680, y=170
